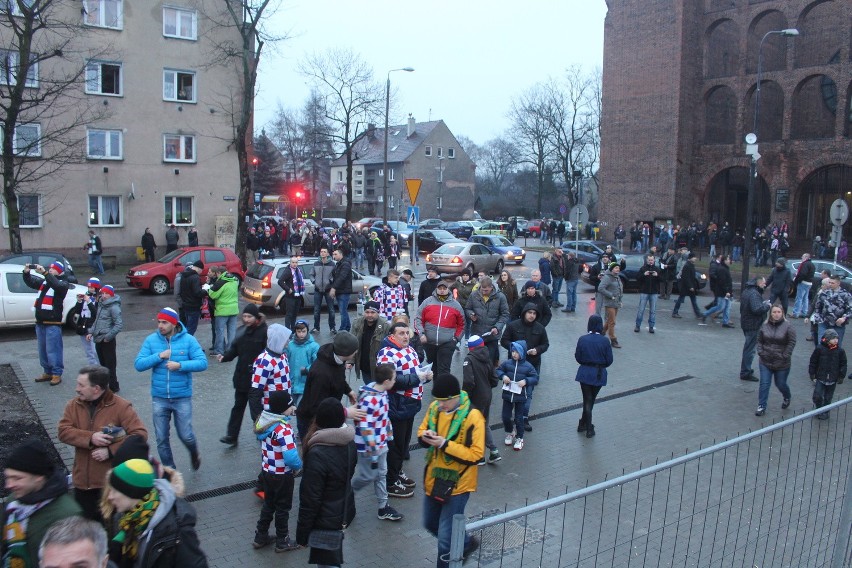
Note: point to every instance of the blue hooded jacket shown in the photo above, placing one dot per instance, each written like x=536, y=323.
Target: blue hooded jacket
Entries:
x=517, y=371
x=299, y=356
x=594, y=354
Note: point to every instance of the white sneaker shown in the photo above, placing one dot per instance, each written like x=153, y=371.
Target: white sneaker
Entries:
x=509, y=439
x=519, y=444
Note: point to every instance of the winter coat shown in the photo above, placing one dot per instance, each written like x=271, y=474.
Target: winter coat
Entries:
x=594, y=354
x=477, y=371
x=440, y=320
x=517, y=371
x=380, y=331
x=545, y=314
x=509, y=289
x=321, y=275
x=287, y=281
x=225, y=292
x=722, y=284
x=325, y=492
x=326, y=378
x=805, y=272
x=341, y=277
x=461, y=291
x=828, y=365
x=51, y=297
x=81, y=419
x=191, y=295
x=427, y=288
x=172, y=237
x=611, y=289
x=831, y=305
x=108, y=322
x=779, y=281
x=533, y=334
x=544, y=268
x=301, y=356
x=83, y=324
x=775, y=343
x=465, y=449
x=405, y=397
x=248, y=343
x=649, y=283
x=752, y=307
x=557, y=266
x=148, y=242
x=572, y=269
x=688, y=279
x=184, y=349
x=490, y=314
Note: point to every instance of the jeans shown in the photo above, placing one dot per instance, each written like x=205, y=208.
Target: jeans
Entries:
x=644, y=300
x=96, y=263
x=748, y=352
x=163, y=409
x=840, y=329
x=89, y=350
x=49, y=338
x=766, y=375
x=800, y=308
x=722, y=305
x=329, y=302
x=823, y=394
x=557, y=287
x=359, y=258
x=738, y=254
x=365, y=474
x=513, y=416
x=343, y=309
x=225, y=325
x=190, y=321
x=277, y=502
x=438, y=520
x=571, y=294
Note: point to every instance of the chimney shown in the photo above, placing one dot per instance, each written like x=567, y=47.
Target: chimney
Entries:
x=411, y=124
x=371, y=130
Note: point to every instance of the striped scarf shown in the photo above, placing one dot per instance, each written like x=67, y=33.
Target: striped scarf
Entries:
x=47, y=298
x=298, y=281
x=134, y=522
x=15, y=534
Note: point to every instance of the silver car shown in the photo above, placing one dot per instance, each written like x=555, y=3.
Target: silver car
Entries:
x=456, y=257
x=261, y=288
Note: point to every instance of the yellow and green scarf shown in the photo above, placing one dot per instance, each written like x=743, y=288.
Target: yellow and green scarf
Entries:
x=458, y=418
x=134, y=522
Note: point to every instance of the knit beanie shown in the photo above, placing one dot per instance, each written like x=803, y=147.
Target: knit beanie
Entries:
x=345, y=344
x=474, y=342
x=58, y=267
x=279, y=402
x=198, y=264
x=371, y=305
x=30, y=457
x=133, y=447
x=529, y=284
x=169, y=315
x=330, y=414
x=252, y=310
x=108, y=290
x=829, y=335
x=133, y=478
x=94, y=282
x=445, y=386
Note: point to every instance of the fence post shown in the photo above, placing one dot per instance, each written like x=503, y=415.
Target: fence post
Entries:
x=841, y=544
x=457, y=541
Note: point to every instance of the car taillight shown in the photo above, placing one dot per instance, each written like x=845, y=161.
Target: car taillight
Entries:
x=456, y=260
x=428, y=258
x=266, y=282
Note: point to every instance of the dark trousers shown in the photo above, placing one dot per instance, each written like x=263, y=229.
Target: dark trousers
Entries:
x=291, y=309
x=237, y=413
x=513, y=414
x=590, y=393
x=823, y=394
x=89, y=500
x=682, y=297
x=149, y=255
x=191, y=321
x=277, y=502
x=441, y=356
x=782, y=297
x=398, y=447
x=107, y=358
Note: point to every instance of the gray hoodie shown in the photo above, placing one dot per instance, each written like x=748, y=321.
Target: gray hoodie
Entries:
x=277, y=337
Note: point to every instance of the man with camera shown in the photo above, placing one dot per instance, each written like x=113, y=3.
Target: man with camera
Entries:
x=52, y=289
x=96, y=422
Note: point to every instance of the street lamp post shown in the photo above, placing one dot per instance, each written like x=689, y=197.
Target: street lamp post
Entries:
x=751, y=150
x=385, y=161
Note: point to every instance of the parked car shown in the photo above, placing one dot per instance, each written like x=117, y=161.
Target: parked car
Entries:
x=587, y=251
x=18, y=299
x=457, y=229
x=332, y=222
x=820, y=265
x=502, y=246
x=367, y=222
x=430, y=224
x=399, y=229
x=493, y=228
x=456, y=257
x=159, y=276
x=534, y=228
x=42, y=257
x=630, y=273
x=474, y=224
x=429, y=240
x=261, y=288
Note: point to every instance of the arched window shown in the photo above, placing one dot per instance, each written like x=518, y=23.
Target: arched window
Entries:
x=770, y=122
x=720, y=116
x=814, y=108
x=728, y=198
x=821, y=29
x=774, y=52
x=816, y=193
x=721, y=50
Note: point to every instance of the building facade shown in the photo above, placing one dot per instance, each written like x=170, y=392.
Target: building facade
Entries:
x=679, y=86
x=158, y=151
x=427, y=151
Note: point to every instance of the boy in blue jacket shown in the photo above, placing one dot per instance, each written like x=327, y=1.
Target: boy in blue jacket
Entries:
x=301, y=354
x=517, y=374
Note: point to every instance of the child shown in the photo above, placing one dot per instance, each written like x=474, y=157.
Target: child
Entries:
x=301, y=353
x=271, y=371
x=371, y=439
x=517, y=373
x=279, y=460
x=85, y=311
x=827, y=368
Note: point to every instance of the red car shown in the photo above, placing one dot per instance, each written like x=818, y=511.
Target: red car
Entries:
x=159, y=276
x=534, y=227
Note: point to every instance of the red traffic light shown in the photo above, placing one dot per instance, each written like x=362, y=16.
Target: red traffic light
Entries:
x=255, y=161
x=299, y=195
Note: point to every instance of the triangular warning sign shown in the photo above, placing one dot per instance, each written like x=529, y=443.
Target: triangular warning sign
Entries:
x=413, y=187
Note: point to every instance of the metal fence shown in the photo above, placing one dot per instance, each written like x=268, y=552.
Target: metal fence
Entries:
x=776, y=497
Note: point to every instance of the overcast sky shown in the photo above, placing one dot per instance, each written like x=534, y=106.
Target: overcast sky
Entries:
x=471, y=57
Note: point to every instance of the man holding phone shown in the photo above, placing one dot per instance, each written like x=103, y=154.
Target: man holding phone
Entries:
x=649, y=287
x=52, y=289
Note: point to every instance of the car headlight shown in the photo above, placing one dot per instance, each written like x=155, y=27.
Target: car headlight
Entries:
x=509, y=254
x=140, y=273
x=523, y=251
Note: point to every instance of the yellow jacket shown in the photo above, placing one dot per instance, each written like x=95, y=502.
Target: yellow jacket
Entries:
x=465, y=450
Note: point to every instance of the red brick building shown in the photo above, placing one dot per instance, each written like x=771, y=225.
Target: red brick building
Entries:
x=679, y=84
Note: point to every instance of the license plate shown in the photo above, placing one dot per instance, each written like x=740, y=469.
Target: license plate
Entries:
x=519, y=257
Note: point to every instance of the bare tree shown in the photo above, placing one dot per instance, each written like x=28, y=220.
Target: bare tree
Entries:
x=532, y=133
x=592, y=153
x=287, y=134
x=352, y=100
x=500, y=157
x=42, y=104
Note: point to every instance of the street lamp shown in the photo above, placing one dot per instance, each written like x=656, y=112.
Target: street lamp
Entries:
x=385, y=166
x=751, y=150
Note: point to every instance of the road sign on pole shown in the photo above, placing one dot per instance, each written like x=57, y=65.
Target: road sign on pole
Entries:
x=413, y=217
x=839, y=213
x=413, y=187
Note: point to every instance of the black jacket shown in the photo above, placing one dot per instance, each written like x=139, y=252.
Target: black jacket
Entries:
x=287, y=281
x=249, y=342
x=83, y=325
x=805, y=272
x=649, y=283
x=341, y=276
x=191, y=295
x=752, y=307
x=477, y=371
x=325, y=379
x=148, y=242
x=533, y=333
x=723, y=284
x=48, y=312
x=427, y=287
x=688, y=279
x=544, y=313
x=827, y=366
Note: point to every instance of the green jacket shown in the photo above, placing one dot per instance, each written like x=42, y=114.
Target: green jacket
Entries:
x=225, y=292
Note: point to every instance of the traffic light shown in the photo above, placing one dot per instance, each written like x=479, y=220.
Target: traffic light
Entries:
x=255, y=162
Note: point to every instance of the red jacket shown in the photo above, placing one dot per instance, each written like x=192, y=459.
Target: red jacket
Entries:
x=439, y=321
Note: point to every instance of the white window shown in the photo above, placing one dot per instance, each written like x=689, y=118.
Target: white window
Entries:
x=103, y=78
x=178, y=148
x=103, y=13
x=428, y=150
x=440, y=152
x=340, y=175
x=390, y=174
x=104, y=211
x=9, y=69
x=29, y=211
x=178, y=210
x=27, y=139
x=13, y=6
x=178, y=86
x=451, y=153
x=104, y=144
x=179, y=23
x=358, y=182
x=359, y=173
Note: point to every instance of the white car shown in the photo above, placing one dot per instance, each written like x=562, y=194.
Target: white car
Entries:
x=18, y=299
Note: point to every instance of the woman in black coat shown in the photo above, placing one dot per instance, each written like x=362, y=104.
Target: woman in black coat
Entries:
x=326, y=501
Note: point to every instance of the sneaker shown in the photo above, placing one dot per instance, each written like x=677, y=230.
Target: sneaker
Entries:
x=333, y=331
x=261, y=540
x=405, y=480
x=822, y=416
x=509, y=439
x=761, y=410
x=480, y=462
x=494, y=456
x=388, y=513
x=702, y=320
x=786, y=403
x=55, y=380
x=749, y=377
x=285, y=545
x=400, y=490
x=519, y=444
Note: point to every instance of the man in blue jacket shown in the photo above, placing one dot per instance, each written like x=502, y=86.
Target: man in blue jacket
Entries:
x=173, y=355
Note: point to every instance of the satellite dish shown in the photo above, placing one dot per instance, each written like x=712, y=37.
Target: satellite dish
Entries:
x=751, y=138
